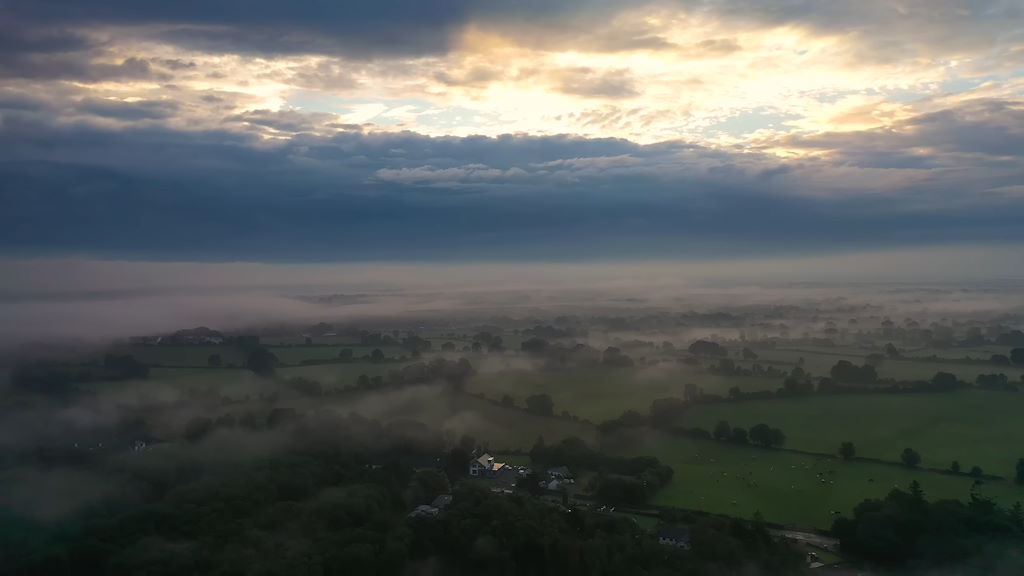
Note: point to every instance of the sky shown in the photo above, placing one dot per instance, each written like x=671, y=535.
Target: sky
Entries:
x=474, y=130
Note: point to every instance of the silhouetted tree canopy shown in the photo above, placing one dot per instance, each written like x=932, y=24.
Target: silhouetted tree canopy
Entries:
x=910, y=457
x=707, y=348
x=262, y=362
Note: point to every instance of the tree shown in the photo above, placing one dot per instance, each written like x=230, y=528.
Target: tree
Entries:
x=707, y=348
x=541, y=404
x=761, y=435
x=722, y=430
x=847, y=372
x=749, y=354
x=1001, y=359
x=507, y=401
x=739, y=436
x=345, y=354
x=945, y=381
x=955, y=467
x=777, y=438
x=665, y=411
x=735, y=392
x=891, y=351
x=1017, y=355
x=847, y=450
x=1020, y=471
x=448, y=347
x=976, y=471
x=426, y=485
x=377, y=355
x=215, y=360
x=910, y=457
x=534, y=346
x=613, y=356
x=916, y=491
x=994, y=382
x=262, y=362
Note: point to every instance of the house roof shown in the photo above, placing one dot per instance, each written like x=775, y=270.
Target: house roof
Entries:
x=442, y=501
x=482, y=460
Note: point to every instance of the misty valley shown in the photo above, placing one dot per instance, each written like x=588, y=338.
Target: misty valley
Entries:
x=843, y=429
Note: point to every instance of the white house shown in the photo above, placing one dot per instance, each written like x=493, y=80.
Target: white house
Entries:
x=485, y=466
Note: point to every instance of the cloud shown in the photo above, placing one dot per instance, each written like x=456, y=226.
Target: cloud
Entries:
x=137, y=110
x=590, y=83
x=138, y=191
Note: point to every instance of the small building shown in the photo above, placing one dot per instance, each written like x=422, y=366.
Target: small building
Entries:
x=674, y=536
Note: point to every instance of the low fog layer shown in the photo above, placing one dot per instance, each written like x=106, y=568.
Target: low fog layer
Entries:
x=92, y=300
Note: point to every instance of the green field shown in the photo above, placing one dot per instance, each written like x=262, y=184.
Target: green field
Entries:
x=498, y=428
x=973, y=426
x=819, y=362
x=784, y=486
x=600, y=393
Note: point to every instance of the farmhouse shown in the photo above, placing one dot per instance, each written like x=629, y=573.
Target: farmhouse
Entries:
x=499, y=472
x=485, y=467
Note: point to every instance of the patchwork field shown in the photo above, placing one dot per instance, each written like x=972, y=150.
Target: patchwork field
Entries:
x=600, y=393
x=974, y=427
x=787, y=487
x=819, y=362
x=498, y=428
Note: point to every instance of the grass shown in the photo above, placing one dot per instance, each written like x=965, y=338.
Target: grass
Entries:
x=974, y=427
x=497, y=428
x=600, y=393
x=819, y=362
x=785, y=487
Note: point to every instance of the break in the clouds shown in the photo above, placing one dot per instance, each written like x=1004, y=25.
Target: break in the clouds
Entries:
x=468, y=129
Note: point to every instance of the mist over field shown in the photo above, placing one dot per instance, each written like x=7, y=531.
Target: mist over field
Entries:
x=95, y=300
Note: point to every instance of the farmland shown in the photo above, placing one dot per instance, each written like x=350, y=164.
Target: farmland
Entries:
x=599, y=393
x=971, y=426
x=786, y=487
x=803, y=484
x=819, y=361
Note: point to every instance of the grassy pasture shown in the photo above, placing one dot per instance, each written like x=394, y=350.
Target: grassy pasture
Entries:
x=820, y=361
x=975, y=427
x=491, y=425
x=785, y=486
x=601, y=393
